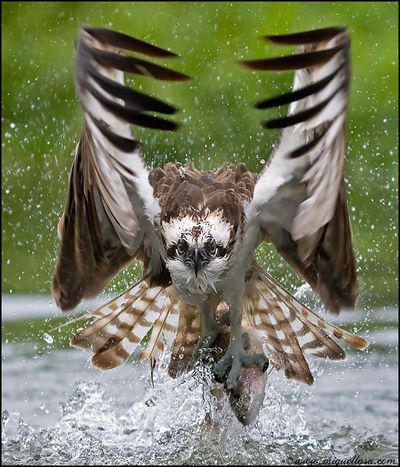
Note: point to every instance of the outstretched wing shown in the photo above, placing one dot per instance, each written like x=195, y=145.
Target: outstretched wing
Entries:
x=300, y=199
x=108, y=217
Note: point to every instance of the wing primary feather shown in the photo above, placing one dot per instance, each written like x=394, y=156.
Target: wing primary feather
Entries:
x=133, y=99
x=132, y=116
x=123, y=41
x=123, y=144
x=293, y=96
x=306, y=37
x=284, y=122
x=292, y=62
x=129, y=111
x=137, y=66
x=160, y=72
x=306, y=148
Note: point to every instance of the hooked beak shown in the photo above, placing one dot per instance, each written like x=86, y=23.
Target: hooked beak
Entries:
x=197, y=259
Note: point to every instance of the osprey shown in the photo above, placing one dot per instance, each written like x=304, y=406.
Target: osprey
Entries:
x=196, y=232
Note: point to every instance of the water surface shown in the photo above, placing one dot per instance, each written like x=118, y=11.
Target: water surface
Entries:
x=57, y=409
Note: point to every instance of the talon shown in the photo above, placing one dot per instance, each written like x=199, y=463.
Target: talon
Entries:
x=222, y=367
x=233, y=361
x=232, y=380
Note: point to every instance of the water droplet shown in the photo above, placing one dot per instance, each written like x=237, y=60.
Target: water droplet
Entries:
x=5, y=416
x=48, y=338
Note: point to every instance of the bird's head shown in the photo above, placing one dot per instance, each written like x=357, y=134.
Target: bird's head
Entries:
x=198, y=249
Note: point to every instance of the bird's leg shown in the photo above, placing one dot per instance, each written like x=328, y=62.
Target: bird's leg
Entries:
x=209, y=330
x=235, y=356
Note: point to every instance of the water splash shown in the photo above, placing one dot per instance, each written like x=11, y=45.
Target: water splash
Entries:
x=177, y=422
x=181, y=422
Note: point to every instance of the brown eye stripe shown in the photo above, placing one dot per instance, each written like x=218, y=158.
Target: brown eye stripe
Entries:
x=228, y=248
x=171, y=251
x=221, y=251
x=210, y=244
x=182, y=244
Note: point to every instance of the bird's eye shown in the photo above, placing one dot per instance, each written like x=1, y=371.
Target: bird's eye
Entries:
x=182, y=247
x=212, y=248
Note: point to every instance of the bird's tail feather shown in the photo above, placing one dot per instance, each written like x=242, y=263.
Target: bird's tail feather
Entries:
x=290, y=330
x=119, y=326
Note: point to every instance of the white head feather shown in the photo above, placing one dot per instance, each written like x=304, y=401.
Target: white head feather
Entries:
x=212, y=225
x=197, y=232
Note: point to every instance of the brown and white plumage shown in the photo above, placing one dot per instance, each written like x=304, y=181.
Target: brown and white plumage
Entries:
x=122, y=324
x=108, y=218
x=300, y=196
x=289, y=330
x=196, y=232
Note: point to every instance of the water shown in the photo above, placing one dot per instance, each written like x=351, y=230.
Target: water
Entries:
x=57, y=409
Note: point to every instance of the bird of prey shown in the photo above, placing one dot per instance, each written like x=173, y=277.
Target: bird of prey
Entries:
x=196, y=232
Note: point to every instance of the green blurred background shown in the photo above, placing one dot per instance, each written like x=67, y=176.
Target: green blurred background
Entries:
x=41, y=118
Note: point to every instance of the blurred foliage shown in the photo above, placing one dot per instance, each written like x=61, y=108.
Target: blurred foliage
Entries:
x=41, y=118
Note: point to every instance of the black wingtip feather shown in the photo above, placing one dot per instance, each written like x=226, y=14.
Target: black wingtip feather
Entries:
x=302, y=116
x=292, y=62
x=120, y=142
x=293, y=96
x=133, y=100
x=306, y=37
x=132, y=110
x=130, y=145
x=132, y=115
x=118, y=39
x=136, y=65
x=306, y=148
